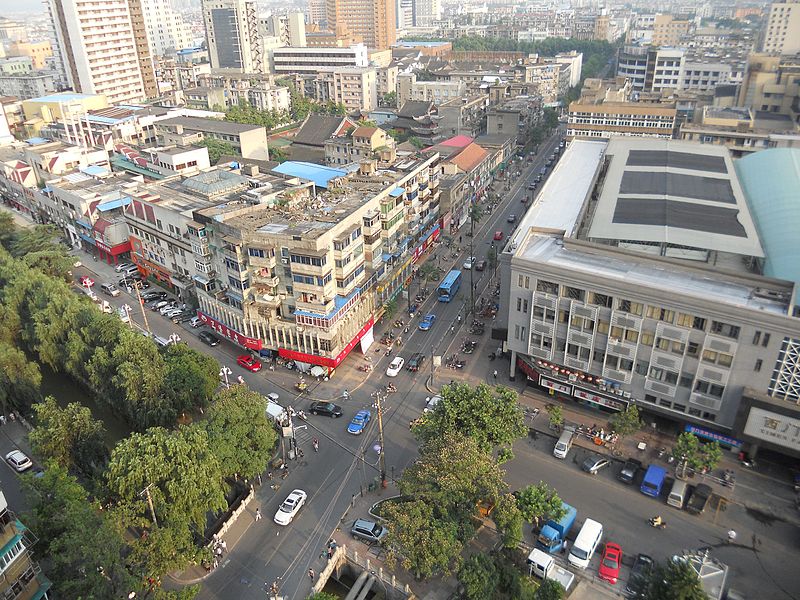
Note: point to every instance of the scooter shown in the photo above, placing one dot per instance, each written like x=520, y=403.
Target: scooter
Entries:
x=662, y=525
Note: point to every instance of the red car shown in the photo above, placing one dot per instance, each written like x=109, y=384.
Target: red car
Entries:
x=86, y=281
x=498, y=235
x=609, y=566
x=249, y=363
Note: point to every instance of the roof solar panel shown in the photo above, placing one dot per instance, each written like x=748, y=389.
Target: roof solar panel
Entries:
x=684, y=215
x=678, y=160
x=677, y=184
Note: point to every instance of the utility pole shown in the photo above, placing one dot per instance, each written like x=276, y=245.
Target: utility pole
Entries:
x=146, y=492
x=382, y=457
x=471, y=250
x=141, y=305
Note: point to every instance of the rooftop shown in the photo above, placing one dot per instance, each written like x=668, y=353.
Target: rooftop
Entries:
x=212, y=125
x=62, y=97
x=316, y=129
x=320, y=175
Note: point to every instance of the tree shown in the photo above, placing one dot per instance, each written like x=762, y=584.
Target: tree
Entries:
x=540, y=501
x=674, y=580
x=626, y=422
x=389, y=99
x=420, y=542
x=183, y=476
x=479, y=578
x=390, y=308
x=426, y=272
x=278, y=154
x=509, y=520
x=691, y=454
x=323, y=596
x=416, y=142
x=556, y=416
x=238, y=431
x=489, y=415
x=550, y=589
x=216, y=148
x=69, y=436
x=19, y=379
x=191, y=378
x=8, y=229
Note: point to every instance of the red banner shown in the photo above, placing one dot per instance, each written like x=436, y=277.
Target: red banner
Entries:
x=323, y=361
x=234, y=336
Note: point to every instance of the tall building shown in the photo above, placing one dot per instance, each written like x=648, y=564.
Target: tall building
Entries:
x=289, y=28
x=371, y=20
x=143, y=48
x=427, y=12
x=316, y=12
x=404, y=13
x=97, y=50
x=166, y=30
x=232, y=34
x=782, y=33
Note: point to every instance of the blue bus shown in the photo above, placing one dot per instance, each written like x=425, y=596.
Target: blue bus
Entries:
x=449, y=287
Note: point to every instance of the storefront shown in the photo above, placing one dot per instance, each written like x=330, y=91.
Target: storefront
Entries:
x=765, y=423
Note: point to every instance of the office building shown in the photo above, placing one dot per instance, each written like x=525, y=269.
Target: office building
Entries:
x=38, y=52
x=308, y=61
x=354, y=87
x=371, y=20
x=232, y=34
x=612, y=119
x=438, y=92
x=166, y=30
x=316, y=12
x=289, y=28
x=427, y=12
x=661, y=274
x=97, y=49
x=782, y=31
x=669, y=31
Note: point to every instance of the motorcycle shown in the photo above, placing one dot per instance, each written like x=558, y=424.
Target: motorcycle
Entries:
x=365, y=368
x=391, y=389
x=749, y=463
x=388, y=352
x=657, y=525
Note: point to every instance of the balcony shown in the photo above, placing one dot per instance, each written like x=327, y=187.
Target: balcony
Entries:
x=269, y=262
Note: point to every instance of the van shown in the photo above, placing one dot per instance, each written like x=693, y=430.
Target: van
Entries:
x=109, y=289
x=585, y=544
x=653, y=481
x=160, y=341
x=564, y=443
x=678, y=493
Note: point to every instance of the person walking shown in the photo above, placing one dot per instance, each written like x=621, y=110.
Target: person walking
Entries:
x=311, y=575
x=495, y=374
x=731, y=536
x=258, y=514
x=315, y=443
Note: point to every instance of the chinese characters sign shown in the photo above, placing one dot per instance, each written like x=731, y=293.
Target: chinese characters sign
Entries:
x=224, y=330
x=772, y=427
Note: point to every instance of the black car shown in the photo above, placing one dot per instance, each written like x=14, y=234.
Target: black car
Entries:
x=329, y=409
x=511, y=218
x=183, y=317
x=629, y=470
x=147, y=297
x=209, y=338
x=415, y=362
x=642, y=567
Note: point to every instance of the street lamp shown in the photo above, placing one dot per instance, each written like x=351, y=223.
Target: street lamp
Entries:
x=174, y=338
x=223, y=373
x=127, y=309
x=382, y=456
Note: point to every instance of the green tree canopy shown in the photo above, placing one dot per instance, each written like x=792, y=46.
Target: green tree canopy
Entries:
x=69, y=436
x=509, y=520
x=626, y=422
x=673, y=580
x=489, y=415
x=191, y=377
x=19, y=379
x=216, y=148
x=550, y=589
x=182, y=474
x=479, y=578
x=238, y=431
x=538, y=502
x=691, y=454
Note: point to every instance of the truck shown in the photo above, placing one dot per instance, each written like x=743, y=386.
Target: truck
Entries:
x=699, y=499
x=551, y=537
x=545, y=567
x=653, y=481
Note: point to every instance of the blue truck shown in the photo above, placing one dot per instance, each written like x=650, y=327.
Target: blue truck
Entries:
x=653, y=481
x=551, y=537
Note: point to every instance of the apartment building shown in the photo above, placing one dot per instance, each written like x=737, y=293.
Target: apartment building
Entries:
x=232, y=35
x=97, y=49
x=179, y=75
x=289, y=28
x=463, y=116
x=306, y=279
x=669, y=31
x=308, y=61
x=514, y=117
x=38, y=52
x=706, y=310
x=16, y=65
x=373, y=21
x=612, y=119
x=22, y=576
x=167, y=32
x=427, y=12
x=782, y=31
x=250, y=141
x=143, y=51
x=354, y=87
x=438, y=92
x=363, y=143
x=772, y=84
x=29, y=85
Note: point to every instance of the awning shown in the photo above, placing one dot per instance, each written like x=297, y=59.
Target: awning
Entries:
x=86, y=238
x=396, y=192
x=317, y=371
x=201, y=280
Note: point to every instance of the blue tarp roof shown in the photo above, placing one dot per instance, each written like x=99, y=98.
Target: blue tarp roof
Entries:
x=116, y=203
x=319, y=174
x=396, y=192
x=338, y=302
x=95, y=170
x=36, y=140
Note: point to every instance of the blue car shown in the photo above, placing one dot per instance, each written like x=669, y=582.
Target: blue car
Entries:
x=426, y=322
x=359, y=422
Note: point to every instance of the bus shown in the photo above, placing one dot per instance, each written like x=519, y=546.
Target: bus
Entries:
x=449, y=287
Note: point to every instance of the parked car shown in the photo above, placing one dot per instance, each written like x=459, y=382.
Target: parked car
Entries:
x=415, y=362
x=468, y=263
x=109, y=289
x=290, y=507
x=642, y=567
x=86, y=282
x=196, y=322
x=427, y=322
x=629, y=471
x=209, y=338
x=480, y=265
x=369, y=531
x=18, y=461
x=124, y=266
x=431, y=402
x=395, y=366
x=172, y=312
x=328, y=409
x=512, y=218
x=183, y=317
x=359, y=422
x=154, y=295
x=594, y=463
x=498, y=235
x=609, y=564
x=248, y=362
x=169, y=307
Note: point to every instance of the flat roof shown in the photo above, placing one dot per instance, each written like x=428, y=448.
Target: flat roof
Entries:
x=674, y=192
x=63, y=97
x=560, y=200
x=213, y=125
x=319, y=174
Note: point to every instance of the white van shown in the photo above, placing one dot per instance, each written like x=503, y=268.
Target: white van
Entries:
x=585, y=544
x=564, y=443
x=678, y=493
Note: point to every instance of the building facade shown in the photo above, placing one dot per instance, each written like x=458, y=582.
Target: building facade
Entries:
x=22, y=576
x=166, y=30
x=373, y=21
x=782, y=31
x=611, y=119
x=249, y=141
x=232, y=34
x=308, y=61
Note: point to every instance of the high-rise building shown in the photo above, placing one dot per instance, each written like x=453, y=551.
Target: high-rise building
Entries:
x=782, y=33
x=404, y=16
x=371, y=20
x=232, y=34
x=143, y=48
x=315, y=12
x=97, y=50
x=427, y=12
x=166, y=30
x=290, y=28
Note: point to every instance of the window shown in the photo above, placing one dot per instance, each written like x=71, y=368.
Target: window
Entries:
x=765, y=340
x=686, y=381
x=546, y=286
x=693, y=349
x=757, y=366
x=256, y=252
x=641, y=368
x=573, y=293
x=635, y=308
x=600, y=299
x=660, y=314
x=710, y=389
x=603, y=327
x=647, y=338
x=725, y=329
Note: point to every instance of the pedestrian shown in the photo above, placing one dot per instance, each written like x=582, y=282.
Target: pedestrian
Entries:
x=315, y=443
x=223, y=545
x=495, y=374
x=564, y=547
x=311, y=575
x=731, y=536
x=258, y=514
x=330, y=553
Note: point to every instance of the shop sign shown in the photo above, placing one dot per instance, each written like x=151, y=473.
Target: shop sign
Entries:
x=234, y=336
x=601, y=400
x=782, y=430
x=555, y=386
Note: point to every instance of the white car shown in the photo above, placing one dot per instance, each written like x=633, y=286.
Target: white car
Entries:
x=124, y=266
x=290, y=507
x=18, y=461
x=469, y=262
x=431, y=402
x=395, y=367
